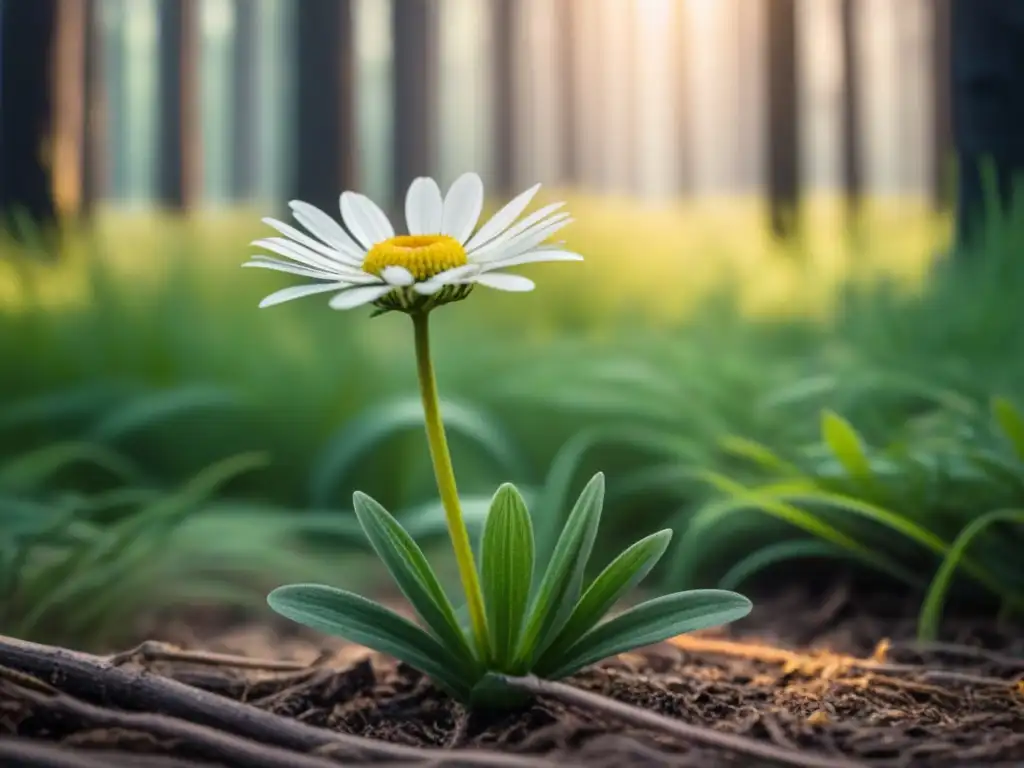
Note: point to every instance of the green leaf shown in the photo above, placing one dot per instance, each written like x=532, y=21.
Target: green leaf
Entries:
x=654, y=621
x=56, y=406
x=908, y=528
x=622, y=574
x=768, y=499
x=563, y=580
x=507, y=570
x=32, y=470
x=760, y=455
x=155, y=408
x=846, y=444
x=931, y=607
x=412, y=573
x=365, y=622
x=1011, y=423
x=780, y=552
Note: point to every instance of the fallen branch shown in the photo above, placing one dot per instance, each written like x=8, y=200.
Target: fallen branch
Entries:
x=215, y=744
x=82, y=676
x=29, y=753
x=685, y=731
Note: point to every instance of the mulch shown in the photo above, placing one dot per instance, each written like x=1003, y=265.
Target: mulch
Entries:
x=833, y=684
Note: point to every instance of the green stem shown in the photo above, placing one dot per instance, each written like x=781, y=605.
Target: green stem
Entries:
x=445, y=475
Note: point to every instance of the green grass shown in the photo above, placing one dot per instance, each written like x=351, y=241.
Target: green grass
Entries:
x=727, y=413
x=690, y=358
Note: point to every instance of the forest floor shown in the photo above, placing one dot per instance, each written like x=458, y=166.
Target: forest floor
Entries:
x=834, y=682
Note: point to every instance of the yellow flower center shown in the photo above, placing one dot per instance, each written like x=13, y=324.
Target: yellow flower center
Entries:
x=423, y=255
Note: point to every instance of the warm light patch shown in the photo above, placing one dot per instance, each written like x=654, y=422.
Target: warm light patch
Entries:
x=655, y=12
x=423, y=255
x=818, y=717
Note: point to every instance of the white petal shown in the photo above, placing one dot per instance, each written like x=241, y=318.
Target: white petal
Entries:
x=365, y=220
x=503, y=281
x=298, y=291
x=296, y=252
x=462, y=206
x=453, y=275
x=291, y=268
x=292, y=250
x=523, y=241
x=397, y=276
x=503, y=219
x=303, y=239
x=424, y=209
x=328, y=230
x=356, y=297
x=537, y=218
x=428, y=287
x=356, y=276
x=532, y=257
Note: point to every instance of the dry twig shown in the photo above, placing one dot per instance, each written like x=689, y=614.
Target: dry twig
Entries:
x=152, y=650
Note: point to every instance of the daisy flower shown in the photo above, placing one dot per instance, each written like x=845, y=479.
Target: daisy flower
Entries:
x=441, y=259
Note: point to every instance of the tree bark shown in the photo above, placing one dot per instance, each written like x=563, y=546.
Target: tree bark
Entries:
x=67, y=145
x=567, y=25
x=28, y=35
x=179, y=144
x=245, y=134
x=117, y=96
x=942, y=110
x=95, y=177
x=852, y=161
x=783, y=136
x=988, y=112
x=415, y=39
x=503, y=18
x=325, y=135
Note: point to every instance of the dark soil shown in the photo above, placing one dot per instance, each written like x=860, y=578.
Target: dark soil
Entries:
x=804, y=680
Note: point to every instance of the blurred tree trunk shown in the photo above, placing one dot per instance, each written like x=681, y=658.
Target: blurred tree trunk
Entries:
x=853, y=182
x=117, y=110
x=179, y=140
x=504, y=19
x=566, y=30
x=783, y=137
x=942, y=120
x=28, y=35
x=95, y=183
x=415, y=43
x=325, y=133
x=988, y=111
x=79, y=132
x=244, y=135
x=67, y=146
